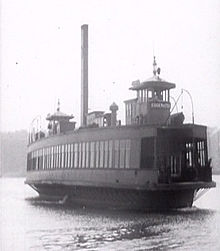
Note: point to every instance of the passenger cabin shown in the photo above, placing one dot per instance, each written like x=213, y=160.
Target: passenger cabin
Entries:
x=152, y=104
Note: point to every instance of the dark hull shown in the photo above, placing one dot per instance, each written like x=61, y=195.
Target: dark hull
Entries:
x=126, y=199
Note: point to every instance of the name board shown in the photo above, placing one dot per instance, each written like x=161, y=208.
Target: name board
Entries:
x=160, y=105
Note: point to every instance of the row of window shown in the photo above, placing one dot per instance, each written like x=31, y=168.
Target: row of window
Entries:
x=145, y=94
x=199, y=152
x=96, y=154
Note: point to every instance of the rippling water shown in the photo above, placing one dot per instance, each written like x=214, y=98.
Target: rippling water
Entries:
x=29, y=224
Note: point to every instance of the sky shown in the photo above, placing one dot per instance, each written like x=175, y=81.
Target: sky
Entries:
x=41, y=55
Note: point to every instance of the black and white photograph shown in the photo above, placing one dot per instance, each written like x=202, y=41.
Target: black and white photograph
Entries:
x=109, y=125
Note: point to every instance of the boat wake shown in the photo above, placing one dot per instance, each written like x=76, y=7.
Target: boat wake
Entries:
x=52, y=201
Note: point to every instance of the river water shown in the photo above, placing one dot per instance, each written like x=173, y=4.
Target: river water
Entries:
x=29, y=224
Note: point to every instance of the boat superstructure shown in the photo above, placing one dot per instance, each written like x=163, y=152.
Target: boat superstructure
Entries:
x=154, y=161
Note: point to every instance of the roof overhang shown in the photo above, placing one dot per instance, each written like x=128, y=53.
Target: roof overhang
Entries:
x=159, y=85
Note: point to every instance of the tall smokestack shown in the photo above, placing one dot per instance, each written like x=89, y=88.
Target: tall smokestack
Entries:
x=84, y=74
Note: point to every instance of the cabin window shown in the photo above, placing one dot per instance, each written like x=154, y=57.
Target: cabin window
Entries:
x=117, y=155
x=92, y=152
x=97, y=154
x=87, y=154
x=60, y=156
x=175, y=165
x=106, y=153
x=71, y=155
x=127, y=153
x=33, y=160
x=201, y=153
x=150, y=94
x=147, y=153
x=189, y=154
x=51, y=157
x=48, y=158
x=54, y=156
x=44, y=159
x=80, y=155
x=57, y=157
x=101, y=154
x=76, y=155
x=158, y=95
x=110, y=149
x=28, y=162
x=65, y=156
x=37, y=161
x=66, y=165
x=41, y=158
x=32, y=157
x=83, y=150
x=122, y=153
x=37, y=158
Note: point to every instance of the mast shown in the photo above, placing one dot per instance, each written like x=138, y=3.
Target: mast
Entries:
x=84, y=74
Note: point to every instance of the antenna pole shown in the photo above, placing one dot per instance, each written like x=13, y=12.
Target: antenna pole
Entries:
x=191, y=103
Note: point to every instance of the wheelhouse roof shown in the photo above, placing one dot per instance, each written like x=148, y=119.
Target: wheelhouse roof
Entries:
x=58, y=115
x=155, y=83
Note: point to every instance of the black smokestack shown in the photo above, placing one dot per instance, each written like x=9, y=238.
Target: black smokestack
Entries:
x=84, y=74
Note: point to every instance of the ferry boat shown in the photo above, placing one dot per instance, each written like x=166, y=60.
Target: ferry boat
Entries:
x=153, y=162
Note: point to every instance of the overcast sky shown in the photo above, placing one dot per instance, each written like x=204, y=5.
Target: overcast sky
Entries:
x=41, y=50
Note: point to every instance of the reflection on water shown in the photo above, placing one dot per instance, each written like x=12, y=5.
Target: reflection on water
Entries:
x=30, y=224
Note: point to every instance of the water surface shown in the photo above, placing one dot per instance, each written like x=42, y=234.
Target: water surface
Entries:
x=30, y=224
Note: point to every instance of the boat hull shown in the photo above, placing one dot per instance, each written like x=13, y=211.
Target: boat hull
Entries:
x=112, y=198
